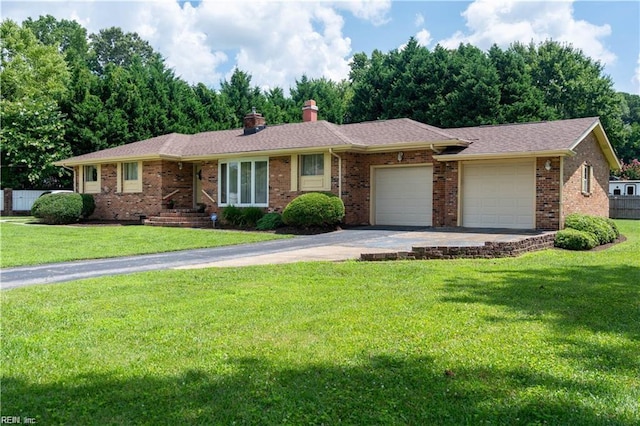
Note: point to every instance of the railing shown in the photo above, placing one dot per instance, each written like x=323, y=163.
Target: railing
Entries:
x=624, y=206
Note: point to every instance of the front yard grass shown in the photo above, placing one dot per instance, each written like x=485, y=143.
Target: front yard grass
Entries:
x=29, y=244
x=551, y=337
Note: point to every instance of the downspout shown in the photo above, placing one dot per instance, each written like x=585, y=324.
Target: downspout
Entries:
x=339, y=172
x=73, y=170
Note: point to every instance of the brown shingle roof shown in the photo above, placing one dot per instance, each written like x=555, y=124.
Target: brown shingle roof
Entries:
x=375, y=135
x=526, y=137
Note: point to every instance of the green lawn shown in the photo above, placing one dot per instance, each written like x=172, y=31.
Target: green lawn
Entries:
x=551, y=337
x=24, y=243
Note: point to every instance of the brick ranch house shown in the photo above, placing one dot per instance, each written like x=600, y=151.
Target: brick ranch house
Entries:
x=387, y=172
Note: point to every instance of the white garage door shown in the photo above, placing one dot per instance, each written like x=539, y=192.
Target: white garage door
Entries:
x=498, y=195
x=403, y=196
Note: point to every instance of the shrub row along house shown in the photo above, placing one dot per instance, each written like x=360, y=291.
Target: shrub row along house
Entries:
x=387, y=172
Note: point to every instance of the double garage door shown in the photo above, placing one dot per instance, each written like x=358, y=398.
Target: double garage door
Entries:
x=493, y=195
x=403, y=195
x=498, y=194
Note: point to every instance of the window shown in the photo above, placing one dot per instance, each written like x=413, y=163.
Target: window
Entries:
x=90, y=174
x=630, y=189
x=130, y=176
x=311, y=172
x=586, y=178
x=244, y=183
x=312, y=165
x=90, y=179
x=130, y=171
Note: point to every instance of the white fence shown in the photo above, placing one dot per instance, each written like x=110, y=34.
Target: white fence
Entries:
x=23, y=200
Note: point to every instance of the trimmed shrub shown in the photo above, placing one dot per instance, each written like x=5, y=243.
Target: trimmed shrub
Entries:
x=313, y=209
x=88, y=205
x=269, y=222
x=58, y=209
x=251, y=216
x=596, y=225
x=572, y=239
x=613, y=226
x=232, y=215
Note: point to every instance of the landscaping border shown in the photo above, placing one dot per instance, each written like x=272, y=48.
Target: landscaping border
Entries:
x=488, y=250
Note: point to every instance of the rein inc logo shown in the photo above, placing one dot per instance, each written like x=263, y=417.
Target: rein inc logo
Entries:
x=17, y=420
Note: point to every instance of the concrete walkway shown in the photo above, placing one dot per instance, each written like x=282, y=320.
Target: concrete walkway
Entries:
x=334, y=246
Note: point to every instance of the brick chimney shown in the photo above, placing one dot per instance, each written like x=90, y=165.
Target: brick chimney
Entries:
x=310, y=111
x=253, y=122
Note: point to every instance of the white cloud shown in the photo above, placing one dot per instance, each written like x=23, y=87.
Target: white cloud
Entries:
x=423, y=37
x=419, y=20
x=506, y=21
x=374, y=11
x=274, y=41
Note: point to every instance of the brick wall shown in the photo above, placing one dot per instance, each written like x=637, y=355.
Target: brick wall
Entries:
x=574, y=201
x=356, y=181
x=159, y=178
x=548, y=194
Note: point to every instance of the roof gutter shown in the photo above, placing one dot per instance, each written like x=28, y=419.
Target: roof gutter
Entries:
x=65, y=163
x=498, y=156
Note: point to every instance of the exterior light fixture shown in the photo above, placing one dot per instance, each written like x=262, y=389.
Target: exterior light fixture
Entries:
x=180, y=165
x=400, y=155
x=547, y=165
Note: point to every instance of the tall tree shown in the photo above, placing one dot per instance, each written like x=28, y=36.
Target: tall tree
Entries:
x=29, y=69
x=520, y=99
x=115, y=47
x=330, y=96
x=575, y=86
x=33, y=78
x=32, y=138
x=240, y=96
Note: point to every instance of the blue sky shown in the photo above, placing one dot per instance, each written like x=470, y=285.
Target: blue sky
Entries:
x=279, y=41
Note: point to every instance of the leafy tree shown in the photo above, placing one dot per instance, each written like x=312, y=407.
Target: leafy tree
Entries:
x=369, y=78
x=32, y=137
x=278, y=109
x=115, y=47
x=28, y=68
x=574, y=86
x=629, y=149
x=331, y=97
x=240, y=96
x=520, y=99
x=69, y=37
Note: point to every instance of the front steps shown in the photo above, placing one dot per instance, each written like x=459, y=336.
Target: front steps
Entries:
x=180, y=218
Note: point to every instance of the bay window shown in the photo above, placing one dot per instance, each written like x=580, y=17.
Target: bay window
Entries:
x=244, y=182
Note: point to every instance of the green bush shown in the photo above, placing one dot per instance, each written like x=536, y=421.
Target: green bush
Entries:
x=269, y=221
x=596, y=225
x=313, y=209
x=613, y=226
x=58, y=209
x=572, y=239
x=251, y=216
x=88, y=205
x=232, y=215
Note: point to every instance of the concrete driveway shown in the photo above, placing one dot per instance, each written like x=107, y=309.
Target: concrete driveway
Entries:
x=335, y=246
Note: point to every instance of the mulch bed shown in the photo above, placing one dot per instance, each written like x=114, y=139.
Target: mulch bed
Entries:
x=621, y=239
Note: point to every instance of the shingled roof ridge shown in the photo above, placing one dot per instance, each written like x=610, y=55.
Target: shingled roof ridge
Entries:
x=486, y=126
x=168, y=146
x=431, y=128
x=335, y=129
